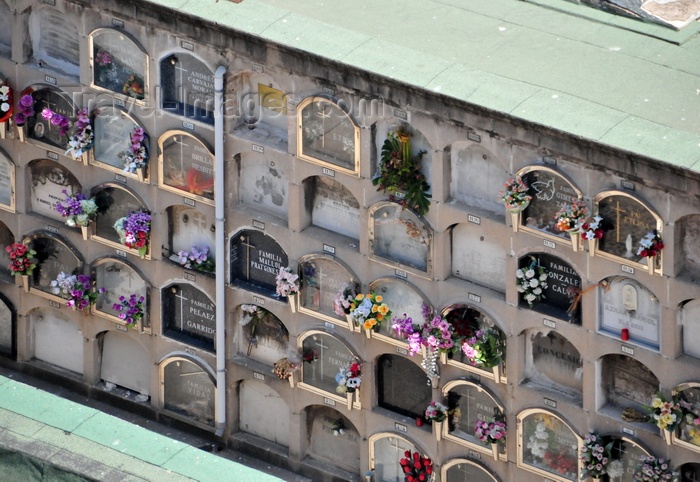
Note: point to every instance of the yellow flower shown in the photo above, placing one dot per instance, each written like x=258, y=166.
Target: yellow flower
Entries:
x=374, y=308
x=384, y=309
x=657, y=403
x=359, y=297
x=378, y=298
x=369, y=323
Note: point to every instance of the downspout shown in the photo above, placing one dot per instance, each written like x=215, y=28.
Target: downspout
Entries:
x=220, y=251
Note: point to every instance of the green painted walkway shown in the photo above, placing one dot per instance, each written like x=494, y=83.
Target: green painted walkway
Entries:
x=98, y=446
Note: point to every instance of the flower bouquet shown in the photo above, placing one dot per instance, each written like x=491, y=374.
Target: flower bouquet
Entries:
x=667, y=415
x=344, y=303
x=349, y=379
x=21, y=259
x=135, y=158
x=24, y=112
x=410, y=331
x=284, y=368
x=437, y=336
x=77, y=289
x=594, y=457
x=287, y=284
x=436, y=414
x=131, y=309
x=133, y=231
x=490, y=433
x=570, y=219
x=83, y=137
x=58, y=120
x=649, y=247
x=592, y=231
x=415, y=467
x=486, y=349
x=5, y=106
x=197, y=259
x=652, y=469
x=515, y=195
x=78, y=210
x=370, y=312
x=133, y=87
x=531, y=282
x=400, y=173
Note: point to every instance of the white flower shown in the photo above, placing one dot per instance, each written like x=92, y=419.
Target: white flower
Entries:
x=543, y=277
x=70, y=222
x=533, y=283
x=4, y=90
x=521, y=289
x=537, y=291
x=530, y=297
x=530, y=273
x=519, y=273
x=5, y=106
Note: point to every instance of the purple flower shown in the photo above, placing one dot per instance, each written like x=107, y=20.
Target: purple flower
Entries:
x=26, y=101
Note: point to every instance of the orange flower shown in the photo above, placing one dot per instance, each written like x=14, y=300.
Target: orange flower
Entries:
x=374, y=308
x=380, y=317
x=359, y=296
x=379, y=298
x=384, y=309
x=369, y=323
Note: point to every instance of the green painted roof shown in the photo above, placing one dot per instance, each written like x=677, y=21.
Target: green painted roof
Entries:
x=618, y=81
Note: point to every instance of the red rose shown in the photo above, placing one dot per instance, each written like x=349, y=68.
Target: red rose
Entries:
x=429, y=470
x=421, y=477
x=407, y=453
x=416, y=465
x=643, y=254
x=416, y=456
x=659, y=245
x=140, y=243
x=406, y=469
x=426, y=462
x=651, y=253
x=403, y=462
x=599, y=234
x=142, y=234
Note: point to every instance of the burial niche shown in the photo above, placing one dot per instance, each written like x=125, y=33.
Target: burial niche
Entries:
x=256, y=258
x=53, y=256
x=560, y=298
x=264, y=337
x=41, y=129
x=624, y=457
x=385, y=452
x=8, y=328
x=113, y=203
x=190, y=230
x=333, y=206
x=476, y=175
x=626, y=383
x=7, y=182
x=402, y=298
x=553, y=364
x=189, y=389
x=463, y=470
x=55, y=40
x=399, y=236
x=324, y=355
x=468, y=403
x=262, y=184
x=187, y=86
x=6, y=239
x=402, y=386
x=113, y=133
x=118, y=63
x=688, y=432
x=49, y=180
x=625, y=304
x=327, y=135
x=550, y=191
x=626, y=220
x=322, y=278
x=478, y=258
x=688, y=260
x=125, y=363
x=690, y=472
x=188, y=315
x=186, y=166
x=690, y=320
x=333, y=439
x=119, y=279
x=263, y=412
x=547, y=446
x=6, y=20
x=58, y=341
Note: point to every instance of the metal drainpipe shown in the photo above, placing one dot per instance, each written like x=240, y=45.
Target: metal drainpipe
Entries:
x=220, y=250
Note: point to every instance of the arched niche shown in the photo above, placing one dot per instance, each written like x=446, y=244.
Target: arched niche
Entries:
x=188, y=315
x=332, y=206
x=626, y=383
x=465, y=470
x=627, y=304
x=6, y=239
x=689, y=472
x=478, y=258
x=402, y=386
x=255, y=259
x=189, y=228
x=264, y=337
x=7, y=182
x=688, y=433
x=40, y=129
x=385, y=452
x=118, y=64
x=187, y=86
x=8, y=328
x=550, y=190
x=322, y=277
x=54, y=255
x=327, y=135
x=553, y=364
x=263, y=412
x=114, y=202
x=688, y=256
x=188, y=389
x=467, y=403
x=258, y=103
x=263, y=184
x=6, y=20
x=125, y=362
x=690, y=320
x=334, y=440
x=626, y=220
x=330, y=354
x=113, y=128
x=118, y=278
x=57, y=340
x=55, y=40
x=48, y=181
x=402, y=298
x=400, y=237
x=560, y=298
x=625, y=454
x=547, y=445
x=476, y=175
x=186, y=166
x=466, y=321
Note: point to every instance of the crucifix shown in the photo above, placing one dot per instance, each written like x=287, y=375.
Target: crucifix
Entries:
x=319, y=343
x=199, y=221
x=463, y=470
x=245, y=241
x=618, y=211
x=182, y=299
x=182, y=145
x=181, y=86
x=394, y=467
x=690, y=476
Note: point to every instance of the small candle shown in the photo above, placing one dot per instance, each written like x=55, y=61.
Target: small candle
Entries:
x=419, y=422
x=625, y=334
